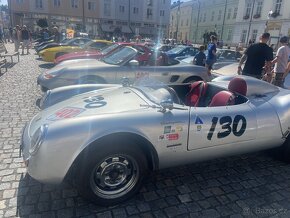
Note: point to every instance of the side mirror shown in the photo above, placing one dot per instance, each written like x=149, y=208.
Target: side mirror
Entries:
x=167, y=104
x=134, y=63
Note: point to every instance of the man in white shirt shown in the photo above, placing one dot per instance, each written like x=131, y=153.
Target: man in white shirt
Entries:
x=281, y=61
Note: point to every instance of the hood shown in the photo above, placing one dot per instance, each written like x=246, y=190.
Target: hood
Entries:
x=94, y=103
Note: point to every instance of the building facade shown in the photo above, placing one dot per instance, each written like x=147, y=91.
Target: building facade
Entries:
x=149, y=18
x=180, y=21
x=257, y=16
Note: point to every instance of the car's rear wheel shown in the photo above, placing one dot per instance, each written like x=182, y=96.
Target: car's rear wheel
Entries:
x=111, y=174
x=59, y=54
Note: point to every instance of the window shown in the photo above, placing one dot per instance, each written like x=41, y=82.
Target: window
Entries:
x=235, y=13
x=149, y=2
x=229, y=13
x=149, y=13
x=212, y=16
x=107, y=9
x=135, y=10
x=278, y=6
x=254, y=35
x=181, y=23
x=38, y=4
x=162, y=13
x=122, y=8
x=92, y=6
x=187, y=22
x=56, y=3
x=220, y=15
x=74, y=3
x=248, y=9
x=243, y=36
x=259, y=8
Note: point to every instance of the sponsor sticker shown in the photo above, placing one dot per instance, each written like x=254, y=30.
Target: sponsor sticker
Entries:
x=179, y=128
x=198, y=120
x=172, y=137
x=198, y=128
x=167, y=129
x=65, y=113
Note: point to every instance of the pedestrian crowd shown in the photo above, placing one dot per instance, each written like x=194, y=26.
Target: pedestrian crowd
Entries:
x=259, y=61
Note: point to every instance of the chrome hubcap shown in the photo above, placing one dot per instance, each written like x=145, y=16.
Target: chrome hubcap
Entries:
x=115, y=176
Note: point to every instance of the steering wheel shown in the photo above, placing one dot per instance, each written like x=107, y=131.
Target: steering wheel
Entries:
x=174, y=95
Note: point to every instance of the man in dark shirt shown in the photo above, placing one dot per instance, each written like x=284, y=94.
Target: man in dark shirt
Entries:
x=199, y=58
x=211, y=56
x=257, y=56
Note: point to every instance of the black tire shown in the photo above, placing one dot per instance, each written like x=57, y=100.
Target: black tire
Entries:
x=283, y=152
x=91, y=80
x=112, y=173
x=192, y=79
x=59, y=54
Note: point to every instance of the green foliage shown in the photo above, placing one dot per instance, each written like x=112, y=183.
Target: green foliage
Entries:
x=42, y=23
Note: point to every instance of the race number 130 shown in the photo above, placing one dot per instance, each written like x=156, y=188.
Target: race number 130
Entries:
x=228, y=126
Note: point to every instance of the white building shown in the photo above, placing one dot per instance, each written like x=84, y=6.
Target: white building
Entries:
x=253, y=19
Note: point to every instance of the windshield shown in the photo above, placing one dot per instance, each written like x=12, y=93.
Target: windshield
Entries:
x=109, y=48
x=121, y=56
x=156, y=94
x=177, y=49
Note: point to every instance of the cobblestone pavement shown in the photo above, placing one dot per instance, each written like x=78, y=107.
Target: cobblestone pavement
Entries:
x=241, y=186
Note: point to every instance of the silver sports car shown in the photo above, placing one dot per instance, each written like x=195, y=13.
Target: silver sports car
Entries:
x=107, y=139
x=116, y=66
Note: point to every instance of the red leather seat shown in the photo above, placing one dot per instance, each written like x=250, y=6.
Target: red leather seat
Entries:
x=222, y=98
x=238, y=85
x=197, y=90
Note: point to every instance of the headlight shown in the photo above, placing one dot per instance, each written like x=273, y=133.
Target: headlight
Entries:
x=37, y=139
x=44, y=99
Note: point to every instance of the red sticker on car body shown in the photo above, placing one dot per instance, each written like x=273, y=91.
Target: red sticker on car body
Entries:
x=65, y=113
x=172, y=137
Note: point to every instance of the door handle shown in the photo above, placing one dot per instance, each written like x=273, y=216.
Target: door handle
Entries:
x=165, y=74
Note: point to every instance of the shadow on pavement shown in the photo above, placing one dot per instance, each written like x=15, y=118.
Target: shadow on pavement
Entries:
x=47, y=65
x=250, y=185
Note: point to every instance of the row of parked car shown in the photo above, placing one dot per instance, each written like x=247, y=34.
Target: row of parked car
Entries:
x=106, y=136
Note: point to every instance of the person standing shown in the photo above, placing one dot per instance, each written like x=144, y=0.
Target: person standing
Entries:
x=16, y=37
x=25, y=38
x=211, y=57
x=199, y=58
x=56, y=35
x=281, y=61
x=256, y=57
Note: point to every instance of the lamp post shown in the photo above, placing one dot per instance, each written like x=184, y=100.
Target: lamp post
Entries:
x=222, y=32
x=198, y=14
x=84, y=19
x=250, y=23
x=177, y=19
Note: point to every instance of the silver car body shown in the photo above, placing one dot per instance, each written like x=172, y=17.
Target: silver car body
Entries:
x=94, y=71
x=56, y=136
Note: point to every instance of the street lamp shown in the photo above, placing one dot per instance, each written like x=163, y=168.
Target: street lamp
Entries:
x=177, y=19
x=84, y=20
x=251, y=18
x=222, y=32
x=198, y=14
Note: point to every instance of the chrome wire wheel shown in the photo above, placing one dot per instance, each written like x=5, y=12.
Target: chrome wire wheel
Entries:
x=115, y=176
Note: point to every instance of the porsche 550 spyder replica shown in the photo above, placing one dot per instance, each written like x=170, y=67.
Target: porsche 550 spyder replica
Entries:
x=112, y=68
x=108, y=138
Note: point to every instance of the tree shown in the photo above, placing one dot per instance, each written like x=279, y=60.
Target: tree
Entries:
x=42, y=23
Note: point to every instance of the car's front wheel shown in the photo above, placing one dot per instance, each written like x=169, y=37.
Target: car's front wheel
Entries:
x=110, y=175
x=283, y=152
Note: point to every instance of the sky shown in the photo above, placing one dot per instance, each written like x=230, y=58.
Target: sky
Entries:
x=3, y=2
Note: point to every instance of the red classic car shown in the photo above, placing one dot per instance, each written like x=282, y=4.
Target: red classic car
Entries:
x=98, y=54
